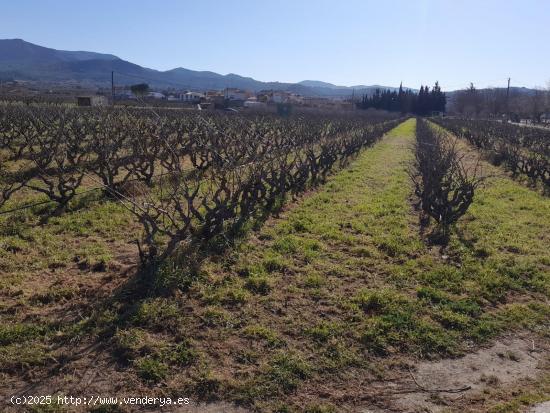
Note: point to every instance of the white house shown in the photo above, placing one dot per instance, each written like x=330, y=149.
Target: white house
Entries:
x=192, y=97
x=156, y=95
x=253, y=103
x=236, y=94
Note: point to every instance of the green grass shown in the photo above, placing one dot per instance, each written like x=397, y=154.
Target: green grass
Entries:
x=151, y=370
x=20, y=332
x=263, y=334
x=84, y=235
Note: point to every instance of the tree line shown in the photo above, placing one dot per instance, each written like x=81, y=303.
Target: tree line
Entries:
x=422, y=103
x=498, y=102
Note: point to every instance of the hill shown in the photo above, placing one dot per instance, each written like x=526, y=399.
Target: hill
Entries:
x=26, y=61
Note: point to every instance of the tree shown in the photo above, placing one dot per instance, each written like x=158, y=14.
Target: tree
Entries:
x=438, y=98
x=423, y=103
x=401, y=99
x=536, y=105
x=474, y=100
x=422, y=106
x=494, y=101
x=469, y=101
x=140, y=89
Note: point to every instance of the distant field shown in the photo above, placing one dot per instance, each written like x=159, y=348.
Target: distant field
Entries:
x=335, y=303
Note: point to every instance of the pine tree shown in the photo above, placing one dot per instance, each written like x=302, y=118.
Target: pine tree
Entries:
x=401, y=99
x=422, y=103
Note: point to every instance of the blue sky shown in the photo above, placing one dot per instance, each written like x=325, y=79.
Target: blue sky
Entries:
x=345, y=42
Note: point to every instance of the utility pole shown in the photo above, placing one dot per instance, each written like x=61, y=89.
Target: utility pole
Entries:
x=113, y=87
x=507, y=100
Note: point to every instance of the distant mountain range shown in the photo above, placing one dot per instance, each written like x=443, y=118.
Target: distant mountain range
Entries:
x=21, y=60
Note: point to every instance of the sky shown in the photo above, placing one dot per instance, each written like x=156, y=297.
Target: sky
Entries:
x=345, y=42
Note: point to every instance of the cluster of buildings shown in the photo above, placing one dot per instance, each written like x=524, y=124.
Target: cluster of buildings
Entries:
x=234, y=97
x=231, y=96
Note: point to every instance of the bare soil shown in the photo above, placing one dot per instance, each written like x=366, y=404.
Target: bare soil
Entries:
x=455, y=384
x=541, y=408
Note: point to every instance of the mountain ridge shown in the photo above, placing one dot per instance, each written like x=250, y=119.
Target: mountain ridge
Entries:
x=27, y=61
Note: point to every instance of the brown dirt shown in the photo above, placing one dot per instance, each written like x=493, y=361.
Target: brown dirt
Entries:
x=540, y=408
x=461, y=384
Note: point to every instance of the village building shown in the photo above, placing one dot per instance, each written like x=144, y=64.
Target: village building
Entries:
x=91, y=101
x=237, y=94
x=253, y=103
x=192, y=97
x=156, y=95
